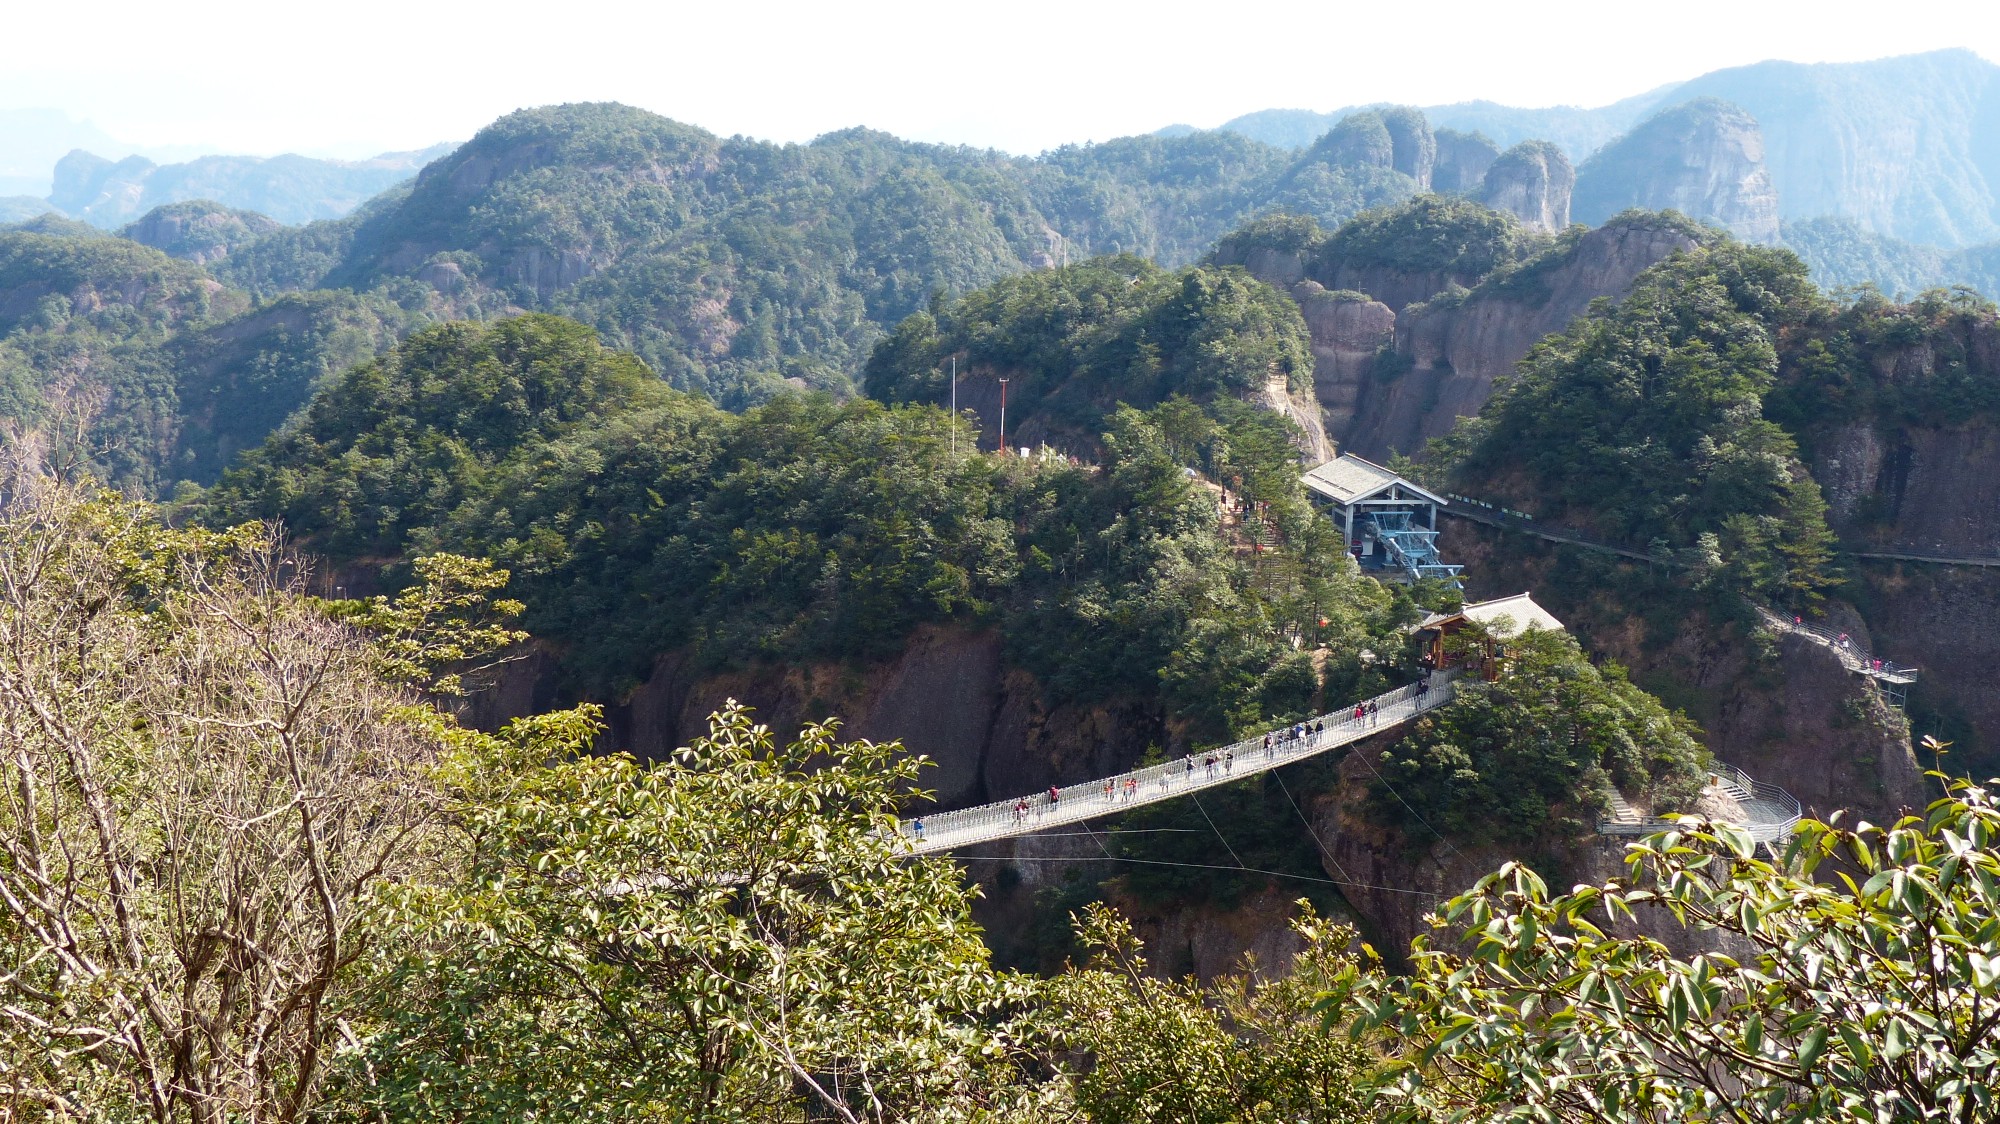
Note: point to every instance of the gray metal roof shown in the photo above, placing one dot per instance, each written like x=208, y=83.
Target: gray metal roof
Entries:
x=1504, y=617
x=1349, y=479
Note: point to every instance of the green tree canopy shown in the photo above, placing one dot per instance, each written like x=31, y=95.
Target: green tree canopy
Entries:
x=1533, y=752
x=1644, y=421
x=1854, y=980
x=393, y=445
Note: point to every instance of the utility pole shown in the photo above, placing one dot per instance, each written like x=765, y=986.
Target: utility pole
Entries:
x=1003, y=415
x=954, y=409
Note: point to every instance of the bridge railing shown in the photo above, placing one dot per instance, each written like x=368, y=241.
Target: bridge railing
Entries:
x=1205, y=769
x=1769, y=812
x=1851, y=654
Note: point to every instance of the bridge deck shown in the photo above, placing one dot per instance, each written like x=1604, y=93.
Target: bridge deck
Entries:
x=1078, y=802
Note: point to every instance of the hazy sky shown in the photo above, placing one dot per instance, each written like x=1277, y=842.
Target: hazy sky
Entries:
x=361, y=76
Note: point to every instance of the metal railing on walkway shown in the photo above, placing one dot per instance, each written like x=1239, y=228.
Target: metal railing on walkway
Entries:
x=1769, y=812
x=1851, y=655
x=1109, y=796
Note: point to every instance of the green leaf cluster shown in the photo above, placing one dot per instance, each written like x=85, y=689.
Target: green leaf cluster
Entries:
x=1856, y=981
x=1530, y=756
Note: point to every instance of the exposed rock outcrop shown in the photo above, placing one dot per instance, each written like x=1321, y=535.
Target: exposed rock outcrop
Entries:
x=948, y=694
x=1704, y=158
x=199, y=230
x=1349, y=331
x=1462, y=160
x=1413, y=148
x=1447, y=353
x=1531, y=181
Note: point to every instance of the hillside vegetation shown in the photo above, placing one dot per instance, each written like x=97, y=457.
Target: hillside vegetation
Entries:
x=173, y=372
x=356, y=907
x=731, y=265
x=640, y=520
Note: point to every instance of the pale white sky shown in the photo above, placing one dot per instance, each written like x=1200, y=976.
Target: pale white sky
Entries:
x=361, y=76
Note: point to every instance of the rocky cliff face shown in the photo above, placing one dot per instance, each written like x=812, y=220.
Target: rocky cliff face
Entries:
x=1413, y=148
x=1349, y=332
x=1781, y=708
x=1462, y=160
x=199, y=231
x=1447, y=353
x=1531, y=181
x=1704, y=158
x=948, y=695
x=1929, y=490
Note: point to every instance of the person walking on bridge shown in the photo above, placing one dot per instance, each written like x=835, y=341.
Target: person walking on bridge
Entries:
x=1360, y=712
x=1209, y=764
x=1055, y=797
x=1267, y=747
x=1374, y=713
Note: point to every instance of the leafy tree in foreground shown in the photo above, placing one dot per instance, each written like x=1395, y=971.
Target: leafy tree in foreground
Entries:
x=1234, y=1051
x=1873, y=996
x=728, y=937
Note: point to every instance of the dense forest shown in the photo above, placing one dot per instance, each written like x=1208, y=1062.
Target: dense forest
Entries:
x=352, y=906
x=639, y=519
x=733, y=268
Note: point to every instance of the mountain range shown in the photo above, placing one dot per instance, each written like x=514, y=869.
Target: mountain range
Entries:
x=1905, y=147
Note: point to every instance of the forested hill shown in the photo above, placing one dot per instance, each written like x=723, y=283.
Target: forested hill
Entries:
x=734, y=265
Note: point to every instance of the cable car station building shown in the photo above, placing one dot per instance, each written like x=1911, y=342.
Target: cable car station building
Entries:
x=1390, y=524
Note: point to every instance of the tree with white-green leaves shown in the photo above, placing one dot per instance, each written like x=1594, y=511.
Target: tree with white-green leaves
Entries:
x=1855, y=978
x=203, y=778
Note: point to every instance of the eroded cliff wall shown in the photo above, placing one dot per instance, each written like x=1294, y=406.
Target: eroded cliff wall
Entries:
x=1447, y=353
x=949, y=694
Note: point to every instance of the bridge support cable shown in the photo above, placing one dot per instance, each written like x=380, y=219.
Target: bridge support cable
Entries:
x=1348, y=884
x=1278, y=776
x=1110, y=796
x=1218, y=831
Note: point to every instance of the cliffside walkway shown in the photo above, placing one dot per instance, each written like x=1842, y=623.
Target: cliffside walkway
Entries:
x=1768, y=813
x=1892, y=679
x=1478, y=511
x=1933, y=559
x=1109, y=796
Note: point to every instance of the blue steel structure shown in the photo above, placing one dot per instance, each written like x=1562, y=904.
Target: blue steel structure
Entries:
x=1391, y=524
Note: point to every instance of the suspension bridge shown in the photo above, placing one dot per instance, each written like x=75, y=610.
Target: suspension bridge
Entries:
x=1122, y=792
x=1766, y=812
